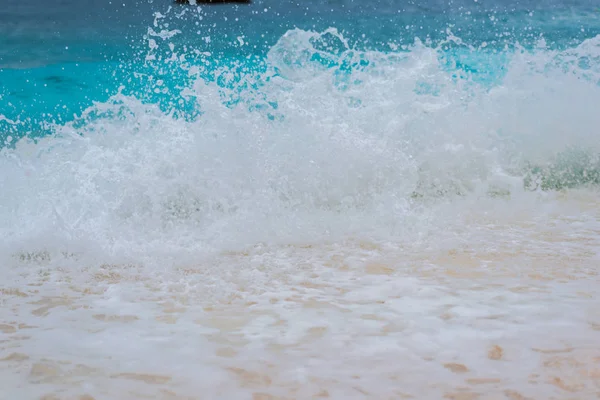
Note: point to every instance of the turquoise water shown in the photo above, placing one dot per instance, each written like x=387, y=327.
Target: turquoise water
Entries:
x=56, y=61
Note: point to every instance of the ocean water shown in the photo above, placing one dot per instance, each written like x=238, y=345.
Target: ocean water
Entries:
x=321, y=199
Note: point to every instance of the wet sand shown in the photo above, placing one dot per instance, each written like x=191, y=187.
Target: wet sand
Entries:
x=512, y=315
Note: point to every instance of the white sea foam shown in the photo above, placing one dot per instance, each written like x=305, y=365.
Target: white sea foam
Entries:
x=340, y=154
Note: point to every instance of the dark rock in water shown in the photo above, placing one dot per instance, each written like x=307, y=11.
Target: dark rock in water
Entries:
x=572, y=168
x=213, y=1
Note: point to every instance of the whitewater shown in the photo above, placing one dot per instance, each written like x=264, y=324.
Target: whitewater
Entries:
x=415, y=219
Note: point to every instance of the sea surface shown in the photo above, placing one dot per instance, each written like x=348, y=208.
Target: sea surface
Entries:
x=300, y=200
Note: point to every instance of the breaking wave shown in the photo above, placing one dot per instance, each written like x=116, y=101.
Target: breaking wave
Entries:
x=316, y=141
